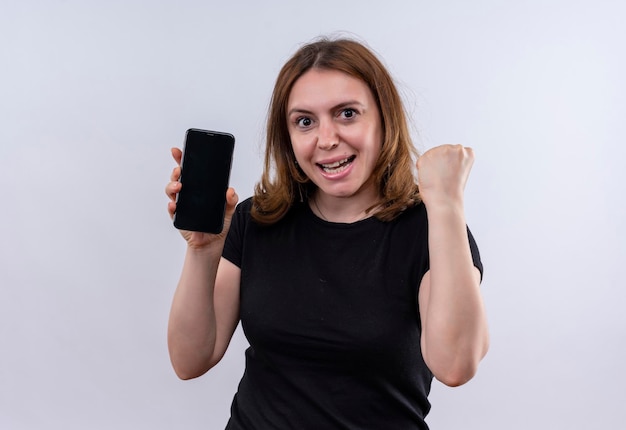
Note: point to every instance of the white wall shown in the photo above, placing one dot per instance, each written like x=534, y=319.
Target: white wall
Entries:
x=93, y=95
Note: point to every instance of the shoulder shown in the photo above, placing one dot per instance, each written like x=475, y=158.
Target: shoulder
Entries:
x=244, y=219
x=241, y=218
x=244, y=207
x=413, y=215
x=408, y=232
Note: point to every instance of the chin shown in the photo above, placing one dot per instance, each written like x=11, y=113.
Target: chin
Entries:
x=339, y=192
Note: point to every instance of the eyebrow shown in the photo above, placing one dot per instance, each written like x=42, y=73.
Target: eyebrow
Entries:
x=334, y=108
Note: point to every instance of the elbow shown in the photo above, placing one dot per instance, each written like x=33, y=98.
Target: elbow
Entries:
x=456, y=376
x=190, y=360
x=461, y=369
x=186, y=369
x=186, y=374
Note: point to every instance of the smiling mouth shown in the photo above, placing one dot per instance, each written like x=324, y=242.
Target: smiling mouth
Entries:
x=337, y=166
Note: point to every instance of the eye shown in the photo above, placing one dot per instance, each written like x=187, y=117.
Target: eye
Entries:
x=303, y=121
x=348, y=113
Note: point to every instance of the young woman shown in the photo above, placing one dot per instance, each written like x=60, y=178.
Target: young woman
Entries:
x=353, y=285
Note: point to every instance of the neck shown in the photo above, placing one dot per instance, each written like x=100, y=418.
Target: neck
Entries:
x=340, y=210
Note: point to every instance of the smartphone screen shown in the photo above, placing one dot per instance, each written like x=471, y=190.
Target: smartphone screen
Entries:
x=205, y=171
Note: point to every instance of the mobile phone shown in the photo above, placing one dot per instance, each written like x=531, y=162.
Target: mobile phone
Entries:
x=205, y=172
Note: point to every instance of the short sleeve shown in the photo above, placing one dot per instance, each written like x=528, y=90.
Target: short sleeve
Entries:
x=233, y=247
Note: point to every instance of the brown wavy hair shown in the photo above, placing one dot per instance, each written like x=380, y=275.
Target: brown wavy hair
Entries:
x=283, y=182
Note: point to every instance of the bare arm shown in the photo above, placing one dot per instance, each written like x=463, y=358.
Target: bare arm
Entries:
x=454, y=326
x=205, y=308
x=204, y=314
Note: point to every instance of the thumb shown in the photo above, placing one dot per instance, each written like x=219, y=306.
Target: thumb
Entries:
x=231, y=201
x=231, y=204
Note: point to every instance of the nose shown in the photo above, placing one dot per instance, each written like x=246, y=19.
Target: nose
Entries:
x=328, y=137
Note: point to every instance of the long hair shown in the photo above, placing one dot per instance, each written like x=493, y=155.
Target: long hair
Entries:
x=283, y=182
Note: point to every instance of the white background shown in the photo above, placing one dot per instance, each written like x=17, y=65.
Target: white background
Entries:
x=94, y=94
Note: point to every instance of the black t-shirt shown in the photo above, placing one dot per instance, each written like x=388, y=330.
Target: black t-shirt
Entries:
x=330, y=311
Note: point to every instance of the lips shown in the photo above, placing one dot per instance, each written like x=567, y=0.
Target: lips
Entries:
x=336, y=166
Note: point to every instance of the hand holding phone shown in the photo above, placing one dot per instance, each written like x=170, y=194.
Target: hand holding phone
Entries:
x=205, y=172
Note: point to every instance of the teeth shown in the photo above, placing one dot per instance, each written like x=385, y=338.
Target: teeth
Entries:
x=335, y=164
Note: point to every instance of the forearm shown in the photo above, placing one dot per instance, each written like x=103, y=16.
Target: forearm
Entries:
x=192, y=323
x=455, y=335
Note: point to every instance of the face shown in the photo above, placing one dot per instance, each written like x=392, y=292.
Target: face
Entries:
x=336, y=133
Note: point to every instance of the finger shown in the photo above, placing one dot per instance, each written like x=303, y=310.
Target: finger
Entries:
x=173, y=188
x=171, y=209
x=175, y=174
x=177, y=154
x=231, y=200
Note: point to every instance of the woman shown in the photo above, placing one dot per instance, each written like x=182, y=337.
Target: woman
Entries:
x=354, y=287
